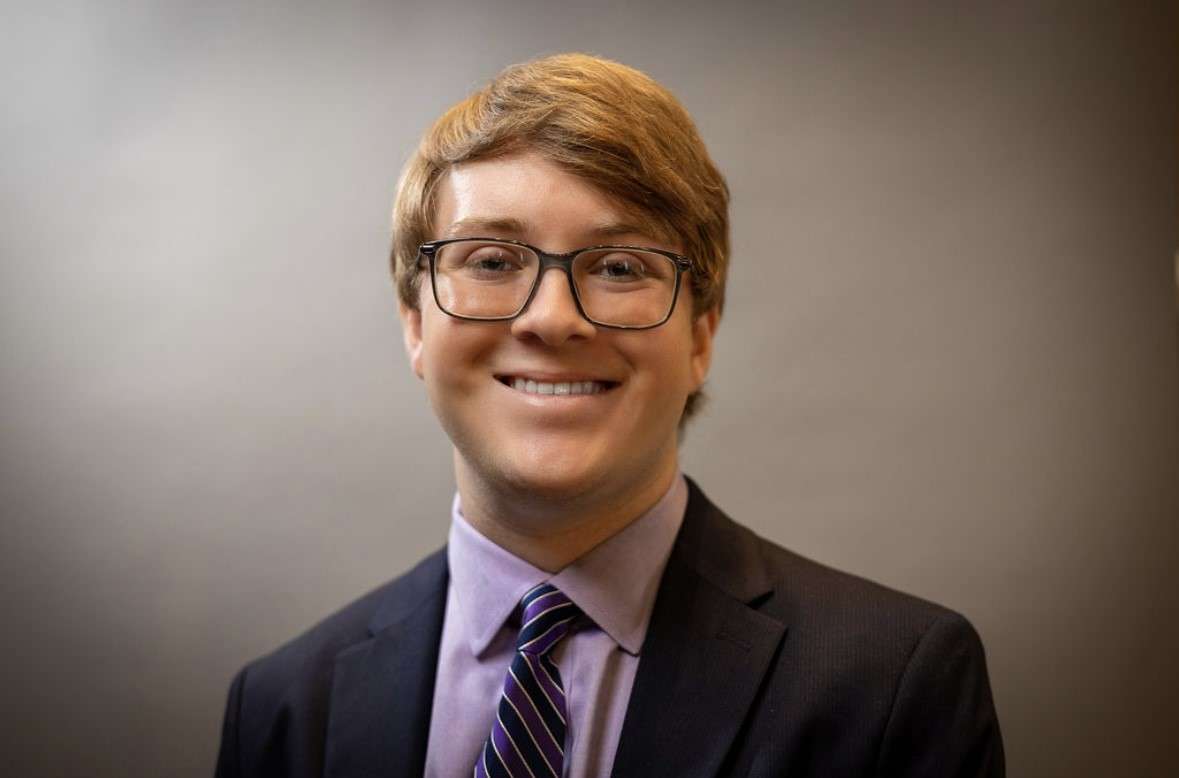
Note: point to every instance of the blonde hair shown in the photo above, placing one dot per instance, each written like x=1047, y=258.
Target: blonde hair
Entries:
x=606, y=123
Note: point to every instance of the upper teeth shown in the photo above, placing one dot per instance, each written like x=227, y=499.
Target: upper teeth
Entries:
x=565, y=387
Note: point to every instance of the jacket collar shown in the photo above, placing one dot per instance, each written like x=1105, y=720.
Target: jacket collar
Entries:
x=707, y=650
x=383, y=688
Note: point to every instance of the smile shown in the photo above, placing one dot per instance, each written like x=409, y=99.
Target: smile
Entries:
x=560, y=388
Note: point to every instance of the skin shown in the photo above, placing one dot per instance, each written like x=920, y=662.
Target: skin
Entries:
x=548, y=478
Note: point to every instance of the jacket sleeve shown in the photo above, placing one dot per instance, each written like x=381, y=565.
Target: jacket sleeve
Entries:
x=943, y=723
x=228, y=763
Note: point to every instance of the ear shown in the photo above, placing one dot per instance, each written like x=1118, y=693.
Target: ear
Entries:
x=703, y=331
x=411, y=332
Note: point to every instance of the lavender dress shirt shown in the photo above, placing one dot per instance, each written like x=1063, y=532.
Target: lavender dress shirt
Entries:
x=614, y=584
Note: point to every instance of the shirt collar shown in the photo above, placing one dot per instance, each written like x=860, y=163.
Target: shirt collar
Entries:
x=614, y=583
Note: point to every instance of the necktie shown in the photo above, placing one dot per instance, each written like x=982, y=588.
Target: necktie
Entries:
x=528, y=735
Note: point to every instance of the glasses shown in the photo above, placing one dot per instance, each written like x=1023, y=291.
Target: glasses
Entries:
x=486, y=279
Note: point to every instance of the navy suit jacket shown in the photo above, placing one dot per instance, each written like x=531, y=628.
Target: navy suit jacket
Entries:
x=757, y=662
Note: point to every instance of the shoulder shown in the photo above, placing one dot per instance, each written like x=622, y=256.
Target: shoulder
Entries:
x=915, y=671
x=814, y=597
x=276, y=715
x=853, y=638
x=880, y=679
x=803, y=593
x=298, y=673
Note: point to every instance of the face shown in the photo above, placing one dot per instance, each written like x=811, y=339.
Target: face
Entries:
x=477, y=374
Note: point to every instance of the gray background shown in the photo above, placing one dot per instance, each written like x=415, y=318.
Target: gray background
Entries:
x=948, y=362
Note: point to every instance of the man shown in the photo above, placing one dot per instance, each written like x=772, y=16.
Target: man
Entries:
x=561, y=243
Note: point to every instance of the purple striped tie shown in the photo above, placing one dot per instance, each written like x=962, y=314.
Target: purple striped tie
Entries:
x=528, y=735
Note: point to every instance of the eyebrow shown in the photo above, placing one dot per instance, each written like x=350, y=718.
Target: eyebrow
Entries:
x=476, y=225
x=613, y=229
x=488, y=225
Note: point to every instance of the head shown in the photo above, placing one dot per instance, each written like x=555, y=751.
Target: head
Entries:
x=604, y=143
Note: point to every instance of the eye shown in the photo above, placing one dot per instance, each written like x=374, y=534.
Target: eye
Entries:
x=482, y=261
x=492, y=259
x=619, y=266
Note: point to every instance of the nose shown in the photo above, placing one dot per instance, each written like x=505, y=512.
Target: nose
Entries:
x=552, y=314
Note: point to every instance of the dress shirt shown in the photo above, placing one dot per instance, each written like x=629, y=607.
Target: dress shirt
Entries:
x=614, y=585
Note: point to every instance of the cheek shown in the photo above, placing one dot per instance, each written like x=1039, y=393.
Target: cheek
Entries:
x=663, y=367
x=454, y=353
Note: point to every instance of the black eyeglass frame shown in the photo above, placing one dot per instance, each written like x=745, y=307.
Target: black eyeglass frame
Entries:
x=564, y=262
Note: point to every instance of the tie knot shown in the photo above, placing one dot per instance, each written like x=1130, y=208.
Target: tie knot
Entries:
x=548, y=614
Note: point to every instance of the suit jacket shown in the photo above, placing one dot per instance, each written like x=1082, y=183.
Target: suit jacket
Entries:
x=757, y=662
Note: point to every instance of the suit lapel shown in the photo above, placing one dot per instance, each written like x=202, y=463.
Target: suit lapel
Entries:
x=383, y=688
x=705, y=654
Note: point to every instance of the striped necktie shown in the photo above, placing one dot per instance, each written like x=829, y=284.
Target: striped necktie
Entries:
x=528, y=735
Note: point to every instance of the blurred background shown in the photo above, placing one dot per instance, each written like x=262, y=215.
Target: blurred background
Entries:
x=948, y=361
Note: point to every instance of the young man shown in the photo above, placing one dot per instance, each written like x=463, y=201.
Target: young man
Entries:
x=561, y=242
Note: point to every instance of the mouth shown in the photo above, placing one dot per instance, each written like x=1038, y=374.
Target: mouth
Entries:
x=573, y=388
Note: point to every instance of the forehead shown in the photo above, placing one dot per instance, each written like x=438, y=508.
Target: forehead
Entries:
x=530, y=197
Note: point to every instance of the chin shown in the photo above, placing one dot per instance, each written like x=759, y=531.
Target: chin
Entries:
x=542, y=471
x=544, y=465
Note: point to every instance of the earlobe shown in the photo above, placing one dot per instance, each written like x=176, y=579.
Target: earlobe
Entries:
x=411, y=331
x=703, y=331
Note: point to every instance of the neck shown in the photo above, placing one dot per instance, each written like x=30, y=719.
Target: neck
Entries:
x=551, y=529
